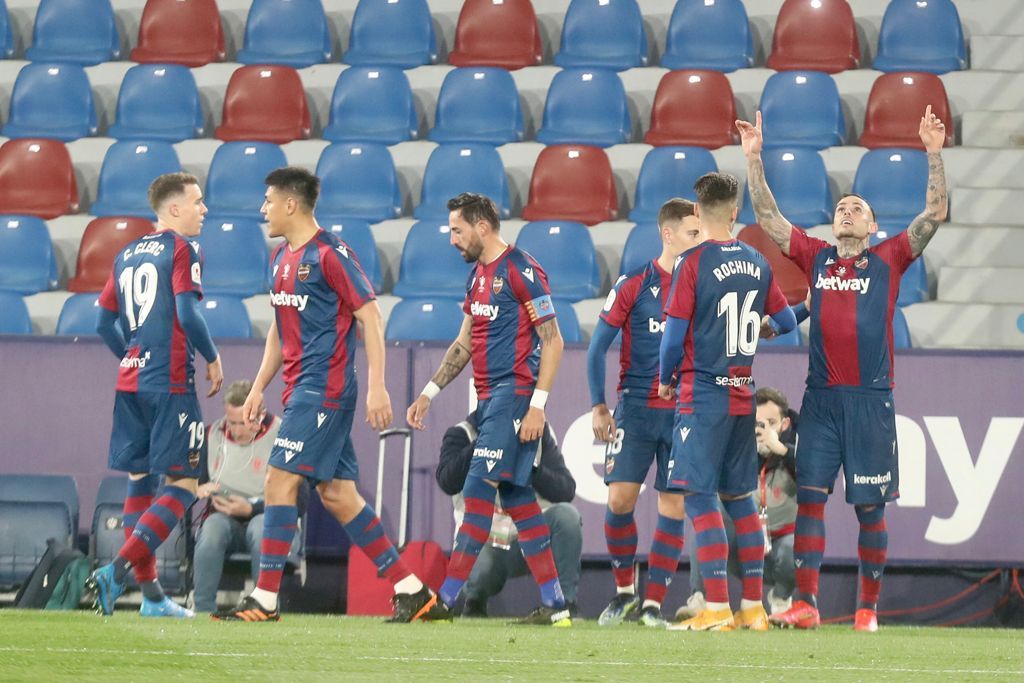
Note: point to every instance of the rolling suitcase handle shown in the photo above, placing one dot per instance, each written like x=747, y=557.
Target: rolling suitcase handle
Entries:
x=403, y=516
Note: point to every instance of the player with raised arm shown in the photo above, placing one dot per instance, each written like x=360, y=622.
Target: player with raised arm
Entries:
x=149, y=318
x=848, y=416
x=319, y=292
x=640, y=431
x=720, y=293
x=509, y=315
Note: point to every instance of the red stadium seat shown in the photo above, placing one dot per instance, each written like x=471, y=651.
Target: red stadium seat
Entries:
x=815, y=35
x=265, y=103
x=895, y=106
x=37, y=178
x=103, y=238
x=694, y=108
x=176, y=32
x=477, y=43
x=572, y=183
x=790, y=278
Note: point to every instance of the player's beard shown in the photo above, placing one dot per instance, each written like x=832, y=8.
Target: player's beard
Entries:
x=472, y=252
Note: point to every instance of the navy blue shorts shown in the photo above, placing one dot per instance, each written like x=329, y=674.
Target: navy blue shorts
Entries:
x=316, y=442
x=713, y=453
x=499, y=455
x=855, y=429
x=642, y=435
x=158, y=433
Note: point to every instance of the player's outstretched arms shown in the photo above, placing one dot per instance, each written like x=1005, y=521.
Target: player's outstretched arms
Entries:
x=455, y=358
x=765, y=208
x=253, y=408
x=936, y=204
x=110, y=332
x=186, y=305
x=378, y=401
x=603, y=422
x=551, y=346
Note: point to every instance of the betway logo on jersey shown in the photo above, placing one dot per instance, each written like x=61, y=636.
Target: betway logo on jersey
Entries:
x=288, y=444
x=838, y=284
x=655, y=326
x=489, y=453
x=489, y=311
x=874, y=480
x=737, y=268
x=293, y=300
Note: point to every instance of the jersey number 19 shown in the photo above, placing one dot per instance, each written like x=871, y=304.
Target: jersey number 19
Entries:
x=138, y=285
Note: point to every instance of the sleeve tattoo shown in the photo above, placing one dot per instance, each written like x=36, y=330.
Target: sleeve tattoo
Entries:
x=765, y=208
x=923, y=228
x=454, y=360
x=547, y=330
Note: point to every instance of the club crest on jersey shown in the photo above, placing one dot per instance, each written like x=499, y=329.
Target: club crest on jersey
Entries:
x=497, y=284
x=861, y=263
x=302, y=272
x=609, y=464
x=193, y=459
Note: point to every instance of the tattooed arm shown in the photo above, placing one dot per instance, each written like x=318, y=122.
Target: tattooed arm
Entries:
x=765, y=208
x=936, y=205
x=551, y=345
x=455, y=359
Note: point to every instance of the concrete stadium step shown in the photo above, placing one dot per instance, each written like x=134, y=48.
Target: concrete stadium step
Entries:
x=975, y=206
x=993, y=128
x=976, y=246
x=997, y=53
x=979, y=285
x=940, y=324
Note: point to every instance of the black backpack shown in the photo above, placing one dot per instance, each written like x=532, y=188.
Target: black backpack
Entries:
x=57, y=582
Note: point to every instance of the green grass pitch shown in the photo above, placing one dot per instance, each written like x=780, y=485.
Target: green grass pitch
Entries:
x=48, y=646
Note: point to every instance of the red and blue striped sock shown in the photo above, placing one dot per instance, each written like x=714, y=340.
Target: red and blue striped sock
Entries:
x=279, y=525
x=663, y=559
x=138, y=499
x=153, y=528
x=470, y=539
x=712, y=545
x=809, y=543
x=749, y=544
x=621, y=536
x=872, y=544
x=366, y=531
x=520, y=503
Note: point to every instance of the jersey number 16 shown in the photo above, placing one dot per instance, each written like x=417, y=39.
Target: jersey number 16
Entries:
x=741, y=326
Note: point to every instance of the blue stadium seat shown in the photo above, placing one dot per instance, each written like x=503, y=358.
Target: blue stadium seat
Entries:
x=914, y=284
x=14, y=317
x=799, y=182
x=7, y=44
x=24, y=529
x=158, y=102
x=643, y=244
x=128, y=169
x=586, y=107
x=372, y=104
x=235, y=259
x=603, y=33
x=358, y=180
x=51, y=101
x=452, y=169
x=28, y=264
x=901, y=331
x=791, y=338
x=393, y=33
x=894, y=182
x=79, y=315
x=478, y=104
x=358, y=235
x=425, y=319
x=234, y=185
x=565, y=251
x=668, y=172
x=921, y=36
x=82, y=31
x=568, y=322
x=42, y=488
x=290, y=32
x=709, y=35
x=802, y=109
x=431, y=266
x=226, y=317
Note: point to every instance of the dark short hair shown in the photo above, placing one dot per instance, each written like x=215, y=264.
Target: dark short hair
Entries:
x=715, y=189
x=298, y=182
x=854, y=194
x=166, y=186
x=770, y=395
x=475, y=207
x=674, y=210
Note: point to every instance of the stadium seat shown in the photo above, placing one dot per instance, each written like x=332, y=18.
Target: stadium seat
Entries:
x=226, y=317
x=453, y=169
x=572, y=183
x=586, y=107
x=392, y=33
x=102, y=240
x=235, y=259
x=430, y=265
x=175, y=32
x=603, y=34
x=81, y=31
x=894, y=182
x=900, y=331
x=425, y=319
x=565, y=251
x=128, y=169
x=158, y=102
x=24, y=530
x=788, y=276
x=51, y=101
x=516, y=45
x=709, y=35
x=668, y=172
x=358, y=181
x=14, y=317
x=478, y=105
x=693, y=108
x=27, y=261
x=234, y=184
x=914, y=285
x=290, y=32
x=802, y=109
x=79, y=315
x=265, y=103
x=643, y=244
x=799, y=181
x=7, y=43
x=895, y=106
x=358, y=235
x=815, y=35
x=921, y=36
x=372, y=104
x=791, y=338
x=568, y=322
x=37, y=178
x=42, y=488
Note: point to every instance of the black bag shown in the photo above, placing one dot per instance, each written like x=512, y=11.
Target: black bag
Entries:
x=57, y=582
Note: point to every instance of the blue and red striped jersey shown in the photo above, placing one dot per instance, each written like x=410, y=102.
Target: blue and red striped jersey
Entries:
x=723, y=289
x=507, y=299
x=635, y=305
x=852, y=304
x=315, y=290
x=145, y=278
